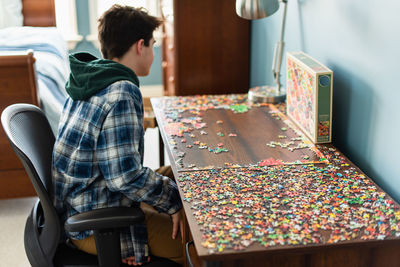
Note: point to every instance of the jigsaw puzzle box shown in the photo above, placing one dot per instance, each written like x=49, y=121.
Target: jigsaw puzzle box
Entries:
x=309, y=96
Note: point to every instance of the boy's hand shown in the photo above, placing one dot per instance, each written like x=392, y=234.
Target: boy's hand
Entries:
x=177, y=223
x=131, y=261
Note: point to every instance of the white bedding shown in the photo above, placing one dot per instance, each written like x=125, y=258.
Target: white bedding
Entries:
x=51, y=64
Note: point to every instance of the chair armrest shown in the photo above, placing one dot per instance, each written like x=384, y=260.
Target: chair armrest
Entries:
x=105, y=218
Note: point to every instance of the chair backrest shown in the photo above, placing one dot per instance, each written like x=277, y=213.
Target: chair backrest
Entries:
x=32, y=139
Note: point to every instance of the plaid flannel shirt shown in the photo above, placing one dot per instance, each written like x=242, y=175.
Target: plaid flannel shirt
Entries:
x=97, y=162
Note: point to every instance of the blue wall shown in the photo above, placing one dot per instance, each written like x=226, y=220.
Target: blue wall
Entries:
x=360, y=41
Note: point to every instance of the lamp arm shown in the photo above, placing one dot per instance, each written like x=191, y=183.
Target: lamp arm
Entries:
x=278, y=50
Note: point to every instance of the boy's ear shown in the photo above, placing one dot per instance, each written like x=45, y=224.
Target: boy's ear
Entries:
x=139, y=46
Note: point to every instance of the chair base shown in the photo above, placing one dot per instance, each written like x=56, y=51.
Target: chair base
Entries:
x=67, y=256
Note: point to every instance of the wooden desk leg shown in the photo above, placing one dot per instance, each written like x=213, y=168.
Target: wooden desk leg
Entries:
x=161, y=148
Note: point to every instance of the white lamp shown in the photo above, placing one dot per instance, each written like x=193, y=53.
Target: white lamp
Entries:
x=257, y=9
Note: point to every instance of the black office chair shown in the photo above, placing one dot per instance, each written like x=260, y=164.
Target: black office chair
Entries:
x=31, y=138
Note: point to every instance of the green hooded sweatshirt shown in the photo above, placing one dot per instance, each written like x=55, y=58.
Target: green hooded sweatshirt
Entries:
x=90, y=75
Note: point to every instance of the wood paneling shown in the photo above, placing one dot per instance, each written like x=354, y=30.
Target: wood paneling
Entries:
x=205, y=48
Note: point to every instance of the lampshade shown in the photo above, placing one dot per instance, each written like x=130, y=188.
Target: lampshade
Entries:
x=256, y=9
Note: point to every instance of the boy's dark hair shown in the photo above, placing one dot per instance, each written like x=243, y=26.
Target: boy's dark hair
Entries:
x=122, y=26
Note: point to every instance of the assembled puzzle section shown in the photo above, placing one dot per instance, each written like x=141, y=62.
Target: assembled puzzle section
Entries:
x=309, y=96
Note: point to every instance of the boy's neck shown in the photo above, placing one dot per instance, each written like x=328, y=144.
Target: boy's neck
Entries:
x=128, y=61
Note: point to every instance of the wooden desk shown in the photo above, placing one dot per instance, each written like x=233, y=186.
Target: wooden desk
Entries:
x=273, y=198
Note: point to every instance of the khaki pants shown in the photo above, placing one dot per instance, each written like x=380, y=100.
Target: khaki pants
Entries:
x=159, y=229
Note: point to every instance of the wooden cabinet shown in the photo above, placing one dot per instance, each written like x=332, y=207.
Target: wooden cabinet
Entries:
x=17, y=85
x=206, y=48
x=40, y=13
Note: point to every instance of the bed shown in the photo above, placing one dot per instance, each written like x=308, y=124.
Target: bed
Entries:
x=33, y=69
x=48, y=51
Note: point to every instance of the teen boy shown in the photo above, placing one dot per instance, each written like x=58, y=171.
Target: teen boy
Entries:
x=98, y=154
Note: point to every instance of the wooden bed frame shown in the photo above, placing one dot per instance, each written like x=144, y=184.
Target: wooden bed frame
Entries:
x=18, y=85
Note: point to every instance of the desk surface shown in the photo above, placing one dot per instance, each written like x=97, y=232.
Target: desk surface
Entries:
x=251, y=183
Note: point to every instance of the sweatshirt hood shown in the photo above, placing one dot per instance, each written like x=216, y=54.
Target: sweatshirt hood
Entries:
x=90, y=75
